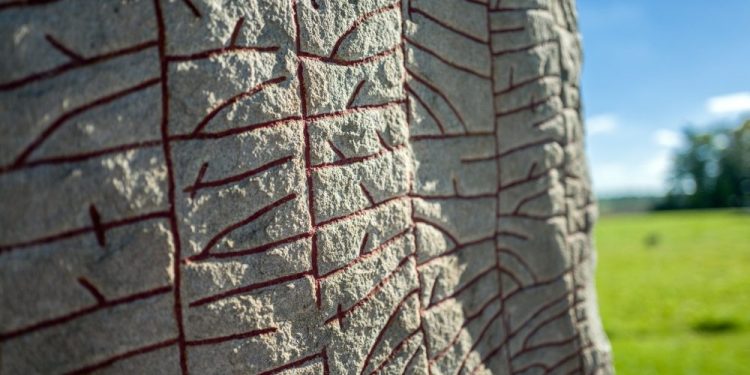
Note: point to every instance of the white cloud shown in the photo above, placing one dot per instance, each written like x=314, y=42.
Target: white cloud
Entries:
x=602, y=124
x=729, y=104
x=667, y=138
x=647, y=176
x=658, y=167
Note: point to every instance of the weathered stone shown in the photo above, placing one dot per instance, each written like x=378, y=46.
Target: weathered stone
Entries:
x=294, y=186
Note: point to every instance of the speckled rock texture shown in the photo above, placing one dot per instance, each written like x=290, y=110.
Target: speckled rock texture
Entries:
x=294, y=187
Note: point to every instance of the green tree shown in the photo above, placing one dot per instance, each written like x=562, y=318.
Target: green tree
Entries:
x=712, y=169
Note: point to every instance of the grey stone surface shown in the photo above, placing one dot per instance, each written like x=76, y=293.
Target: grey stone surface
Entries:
x=294, y=186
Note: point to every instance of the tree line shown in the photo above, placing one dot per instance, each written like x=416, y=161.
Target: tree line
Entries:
x=711, y=169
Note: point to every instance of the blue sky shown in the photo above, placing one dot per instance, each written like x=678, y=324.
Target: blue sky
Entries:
x=651, y=67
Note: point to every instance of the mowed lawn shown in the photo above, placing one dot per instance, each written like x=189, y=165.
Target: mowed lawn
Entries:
x=674, y=291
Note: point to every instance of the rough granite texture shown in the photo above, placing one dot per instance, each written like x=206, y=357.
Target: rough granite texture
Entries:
x=294, y=186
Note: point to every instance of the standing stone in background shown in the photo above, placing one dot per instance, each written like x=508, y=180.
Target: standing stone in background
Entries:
x=298, y=187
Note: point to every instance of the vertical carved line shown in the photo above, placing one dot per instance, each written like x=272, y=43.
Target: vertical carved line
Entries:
x=172, y=214
x=498, y=170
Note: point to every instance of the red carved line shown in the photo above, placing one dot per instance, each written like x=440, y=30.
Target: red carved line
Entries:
x=357, y=109
x=85, y=311
x=361, y=212
x=417, y=138
x=248, y=288
x=511, y=151
x=498, y=264
x=198, y=185
x=548, y=369
x=463, y=288
x=510, y=274
x=309, y=182
x=357, y=159
x=359, y=21
x=297, y=38
x=521, y=261
x=456, y=196
x=404, y=92
x=383, y=142
x=73, y=64
x=93, y=290
x=541, y=325
x=518, y=235
x=411, y=360
x=543, y=122
x=198, y=179
x=533, y=217
x=446, y=26
x=236, y=131
x=215, y=239
x=192, y=7
x=76, y=111
x=236, y=32
x=526, y=146
x=530, y=177
x=548, y=344
x=433, y=287
x=427, y=108
x=372, y=291
x=500, y=9
x=220, y=51
x=444, y=60
x=459, y=247
x=508, y=30
x=97, y=224
x=367, y=194
x=355, y=93
x=167, y=151
x=364, y=244
x=516, y=85
x=478, y=340
x=539, y=312
x=63, y=49
x=22, y=3
x=298, y=362
x=360, y=61
x=467, y=320
x=83, y=230
x=396, y=350
x=81, y=156
x=533, y=104
x=109, y=361
x=255, y=250
x=537, y=284
x=480, y=311
x=437, y=91
x=235, y=99
x=336, y=150
x=326, y=369
x=308, y=161
x=382, y=332
x=371, y=254
x=439, y=228
x=528, y=199
x=478, y=2
x=239, y=336
x=523, y=49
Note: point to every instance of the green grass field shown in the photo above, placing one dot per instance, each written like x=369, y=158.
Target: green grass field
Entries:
x=674, y=291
